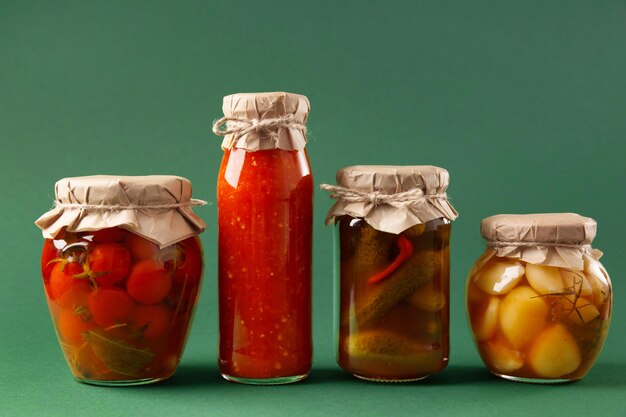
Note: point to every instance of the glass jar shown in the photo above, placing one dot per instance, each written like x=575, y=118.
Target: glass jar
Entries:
x=539, y=301
x=265, y=211
x=392, y=271
x=121, y=305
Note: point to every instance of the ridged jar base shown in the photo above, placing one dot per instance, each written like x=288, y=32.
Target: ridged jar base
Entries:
x=365, y=378
x=534, y=380
x=265, y=381
x=121, y=383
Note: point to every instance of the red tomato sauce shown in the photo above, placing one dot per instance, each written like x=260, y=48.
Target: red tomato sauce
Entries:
x=265, y=210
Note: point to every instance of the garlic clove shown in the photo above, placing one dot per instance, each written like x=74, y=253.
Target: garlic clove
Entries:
x=499, y=277
x=502, y=358
x=475, y=295
x=576, y=282
x=554, y=353
x=578, y=310
x=484, y=319
x=523, y=313
x=544, y=279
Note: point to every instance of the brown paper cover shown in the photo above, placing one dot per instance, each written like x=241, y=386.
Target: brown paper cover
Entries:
x=391, y=180
x=552, y=239
x=155, y=207
x=264, y=106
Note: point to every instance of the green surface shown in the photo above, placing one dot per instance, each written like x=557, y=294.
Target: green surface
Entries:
x=523, y=102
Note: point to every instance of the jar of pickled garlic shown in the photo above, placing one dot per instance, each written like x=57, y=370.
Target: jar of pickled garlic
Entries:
x=265, y=215
x=122, y=265
x=392, y=270
x=538, y=300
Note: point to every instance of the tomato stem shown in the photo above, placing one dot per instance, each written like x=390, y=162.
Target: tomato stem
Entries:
x=88, y=275
x=55, y=260
x=406, y=251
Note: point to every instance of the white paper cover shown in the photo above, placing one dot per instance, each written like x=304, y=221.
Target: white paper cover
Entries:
x=158, y=208
x=428, y=203
x=249, y=107
x=553, y=239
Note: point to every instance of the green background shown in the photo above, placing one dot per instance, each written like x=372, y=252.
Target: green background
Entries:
x=523, y=102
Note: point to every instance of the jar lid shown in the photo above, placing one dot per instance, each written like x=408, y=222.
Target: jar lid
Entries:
x=391, y=198
x=261, y=121
x=554, y=239
x=156, y=207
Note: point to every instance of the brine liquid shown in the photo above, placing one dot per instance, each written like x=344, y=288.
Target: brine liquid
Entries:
x=397, y=328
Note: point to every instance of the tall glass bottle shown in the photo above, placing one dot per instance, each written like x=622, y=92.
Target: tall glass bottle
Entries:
x=265, y=210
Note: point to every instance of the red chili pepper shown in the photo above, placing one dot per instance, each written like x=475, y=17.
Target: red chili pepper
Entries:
x=406, y=250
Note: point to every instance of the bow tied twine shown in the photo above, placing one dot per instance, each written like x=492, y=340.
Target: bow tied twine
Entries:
x=241, y=127
x=402, y=199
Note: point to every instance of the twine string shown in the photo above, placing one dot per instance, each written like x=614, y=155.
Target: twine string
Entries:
x=411, y=197
x=240, y=126
x=116, y=207
x=499, y=244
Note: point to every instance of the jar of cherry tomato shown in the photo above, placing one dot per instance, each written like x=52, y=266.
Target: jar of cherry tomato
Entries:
x=265, y=203
x=539, y=301
x=392, y=270
x=122, y=265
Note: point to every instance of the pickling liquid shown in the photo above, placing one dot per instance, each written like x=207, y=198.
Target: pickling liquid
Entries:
x=393, y=301
x=537, y=323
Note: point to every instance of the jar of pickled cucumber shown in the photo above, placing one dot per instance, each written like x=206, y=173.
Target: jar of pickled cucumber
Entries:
x=392, y=270
x=122, y=267
x=538, y=299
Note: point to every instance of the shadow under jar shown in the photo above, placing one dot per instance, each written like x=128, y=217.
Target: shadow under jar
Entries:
x=393, y=301
x=121, y=304
x=539, y=301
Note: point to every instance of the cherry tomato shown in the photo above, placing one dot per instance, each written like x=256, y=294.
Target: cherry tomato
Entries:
x=148, y=282
x=141, y=248
x=109, y=306
x=48, y=254
x=112, y=234
x=152, y=321
x=75, y=297
x=63, y=277
x=189, y=262
x=71, y=325
x=109, y=263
